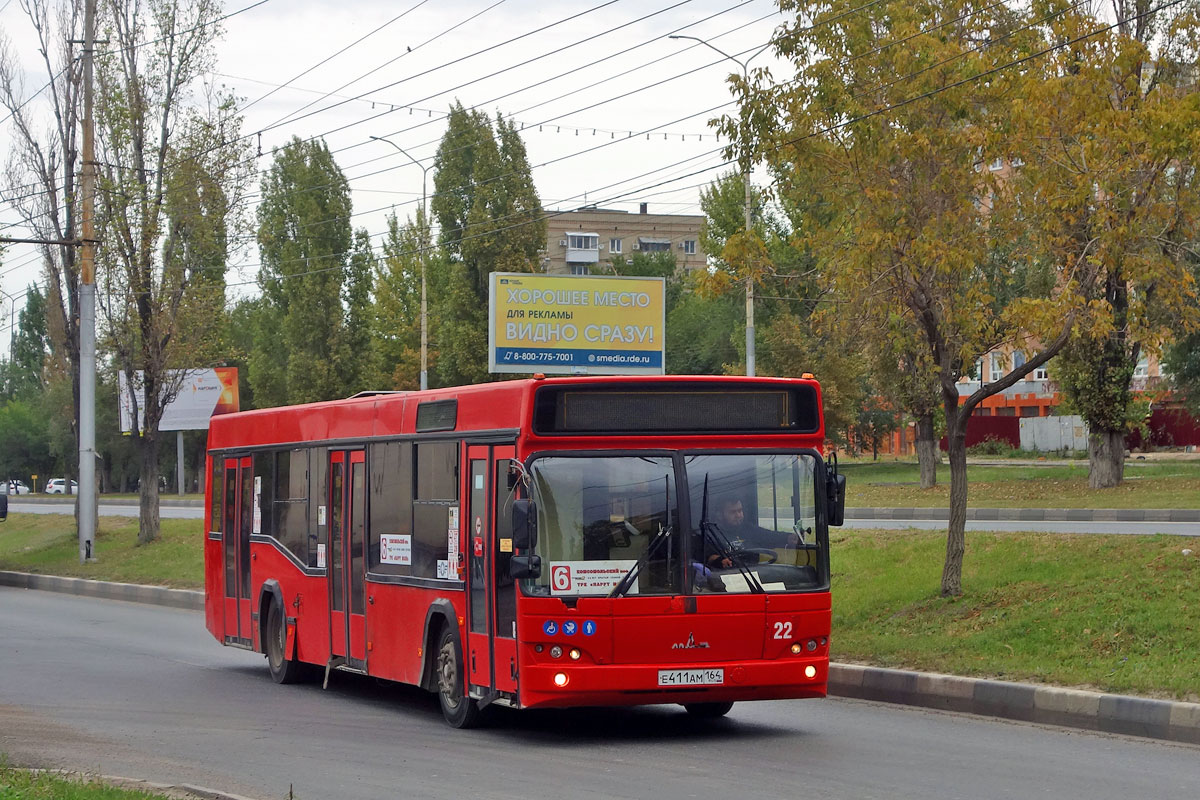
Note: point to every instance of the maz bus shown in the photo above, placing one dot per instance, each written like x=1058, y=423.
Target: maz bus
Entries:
x=533, y=543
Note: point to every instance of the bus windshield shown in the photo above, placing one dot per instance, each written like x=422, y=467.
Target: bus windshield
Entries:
x=754, y=523
x=611, y=525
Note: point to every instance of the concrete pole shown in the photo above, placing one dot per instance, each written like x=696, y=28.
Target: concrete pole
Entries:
x=179, y=461
x=424, y=256
x=87, y=308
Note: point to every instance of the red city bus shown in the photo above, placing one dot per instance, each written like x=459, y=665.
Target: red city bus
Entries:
x=533, y=543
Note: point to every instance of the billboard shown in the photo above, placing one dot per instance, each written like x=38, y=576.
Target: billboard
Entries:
x=202, y=393
x=576, y=324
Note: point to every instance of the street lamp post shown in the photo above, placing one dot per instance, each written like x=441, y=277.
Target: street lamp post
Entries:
x=424, y=252
x=745, y=165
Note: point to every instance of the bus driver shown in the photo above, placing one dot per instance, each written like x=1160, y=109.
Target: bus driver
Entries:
x=743, y=535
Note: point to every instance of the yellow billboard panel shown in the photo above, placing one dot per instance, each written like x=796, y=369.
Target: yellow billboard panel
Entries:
x=576, y=324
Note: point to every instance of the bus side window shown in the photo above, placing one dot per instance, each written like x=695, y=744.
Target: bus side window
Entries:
x=506, y=596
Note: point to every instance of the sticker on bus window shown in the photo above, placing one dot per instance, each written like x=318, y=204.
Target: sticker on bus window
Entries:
x=395, y=549
x=258, y=504
x=320, y=515
x=589, y=577
x=321, y=556
x=443, y=568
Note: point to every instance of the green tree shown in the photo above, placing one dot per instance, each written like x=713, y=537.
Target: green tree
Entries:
x=25, y=375
x=489, y=220
x=172, y=177
x=305, y=240
x=1183, y=364
x=396, y=312
x=1108, y=137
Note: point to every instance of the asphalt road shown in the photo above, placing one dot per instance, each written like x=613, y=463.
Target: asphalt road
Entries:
x=144, y=691
x=1140, y=528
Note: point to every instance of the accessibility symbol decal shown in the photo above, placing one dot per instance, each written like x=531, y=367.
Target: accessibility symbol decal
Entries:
x=550, y=627
x=569, y=627
x=589, y=627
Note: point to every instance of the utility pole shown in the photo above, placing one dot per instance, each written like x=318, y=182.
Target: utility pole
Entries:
x=424, y=256
x=87, y=306
x=744, y=163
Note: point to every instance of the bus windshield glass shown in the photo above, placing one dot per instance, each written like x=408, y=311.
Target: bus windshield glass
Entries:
x=599, y=518
x=754, y=525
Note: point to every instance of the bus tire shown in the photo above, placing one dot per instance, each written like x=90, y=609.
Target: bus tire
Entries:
x=283, y=670
x=459, y=710
x=707, y=710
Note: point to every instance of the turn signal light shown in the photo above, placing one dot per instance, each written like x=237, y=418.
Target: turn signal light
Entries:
x=560, y=679
x=810, y=671
x=575, y=654
x=797, y=649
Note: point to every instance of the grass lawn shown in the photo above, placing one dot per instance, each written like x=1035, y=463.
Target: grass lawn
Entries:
x=19, y=784
x=1148, y=484
x=48, y=544
x=1113, y=613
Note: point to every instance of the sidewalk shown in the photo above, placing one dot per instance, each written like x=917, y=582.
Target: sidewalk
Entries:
x=1036, y=514
x=1073, y=708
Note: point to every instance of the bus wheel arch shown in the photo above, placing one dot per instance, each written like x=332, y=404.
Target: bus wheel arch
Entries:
x=270, y=593
x=283, y=666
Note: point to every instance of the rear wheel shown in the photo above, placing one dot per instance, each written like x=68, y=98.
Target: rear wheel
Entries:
x=459, y=710
x=283, y=669
x=708, y=710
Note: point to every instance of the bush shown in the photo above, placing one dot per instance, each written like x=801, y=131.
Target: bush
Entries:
x=990, y=446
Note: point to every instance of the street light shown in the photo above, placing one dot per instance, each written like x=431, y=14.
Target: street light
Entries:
x=424, y=250
x=745, y=165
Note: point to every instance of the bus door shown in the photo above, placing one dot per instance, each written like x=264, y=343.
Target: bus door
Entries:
x=504, y=644
x=479, y=550
x=238, y=523
x=347, y=568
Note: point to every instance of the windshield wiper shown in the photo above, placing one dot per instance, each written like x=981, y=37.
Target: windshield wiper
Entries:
x=627, y=579
x=712, y=531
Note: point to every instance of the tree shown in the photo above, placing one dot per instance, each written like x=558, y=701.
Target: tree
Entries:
x=907, y=223
x=489, y=220
x=1108, y=137
x=305, y=240
x=1183, y=363
x=41, y=178
x=173, y=170
x=25, y=375
x=396, y=312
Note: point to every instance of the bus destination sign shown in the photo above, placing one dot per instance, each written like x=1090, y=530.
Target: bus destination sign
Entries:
x=576, y=325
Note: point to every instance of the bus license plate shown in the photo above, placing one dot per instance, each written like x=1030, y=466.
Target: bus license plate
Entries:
x=691, y=677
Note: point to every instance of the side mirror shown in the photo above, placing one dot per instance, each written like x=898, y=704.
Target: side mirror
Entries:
x=525, y=567
x=837, y=499
x=524, y=525
x=3, y=507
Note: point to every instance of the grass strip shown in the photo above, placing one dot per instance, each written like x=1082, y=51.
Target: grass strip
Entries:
x=896, y=484
x=1108, y=613
x=20, y=784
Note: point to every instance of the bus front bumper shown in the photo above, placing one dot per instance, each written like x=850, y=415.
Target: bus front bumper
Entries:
x=574, y=684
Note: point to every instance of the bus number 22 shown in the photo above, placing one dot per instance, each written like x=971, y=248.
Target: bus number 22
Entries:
x=783, y=630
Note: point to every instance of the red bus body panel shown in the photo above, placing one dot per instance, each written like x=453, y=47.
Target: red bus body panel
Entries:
x=634, y=637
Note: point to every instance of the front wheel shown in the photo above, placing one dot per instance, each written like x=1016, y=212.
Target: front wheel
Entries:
x=283, y=669
x=459, y=710
x=707, y=710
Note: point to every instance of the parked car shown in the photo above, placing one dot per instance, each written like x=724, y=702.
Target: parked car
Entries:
x=58, y=486
x=16, y=487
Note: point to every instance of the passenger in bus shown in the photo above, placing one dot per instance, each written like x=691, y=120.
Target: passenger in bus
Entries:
x=743, y=535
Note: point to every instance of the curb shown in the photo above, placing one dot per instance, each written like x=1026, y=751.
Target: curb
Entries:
x=69, y=500
x=130, y=592
x=1050, y=705
x=139, y=785
x=1035, y=514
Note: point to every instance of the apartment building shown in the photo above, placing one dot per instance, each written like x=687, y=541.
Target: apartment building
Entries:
x=583, y=242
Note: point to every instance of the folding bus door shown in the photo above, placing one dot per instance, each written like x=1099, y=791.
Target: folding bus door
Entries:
x=504, y=643
x=347, y=569
x=479, y=549
x=235, y=541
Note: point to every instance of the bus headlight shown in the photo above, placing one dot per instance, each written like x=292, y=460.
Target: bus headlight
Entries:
x=796, y=649
x=575, y=654
x=810, y=671
x=560, y=679
x=556, y=652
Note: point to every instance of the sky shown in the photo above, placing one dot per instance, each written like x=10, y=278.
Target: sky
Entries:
x=612, y=112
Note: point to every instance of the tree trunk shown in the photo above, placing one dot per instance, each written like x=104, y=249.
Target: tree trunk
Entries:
x=1106, y=459
x=927, y=451
x=956, y=433
x=148, y=491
